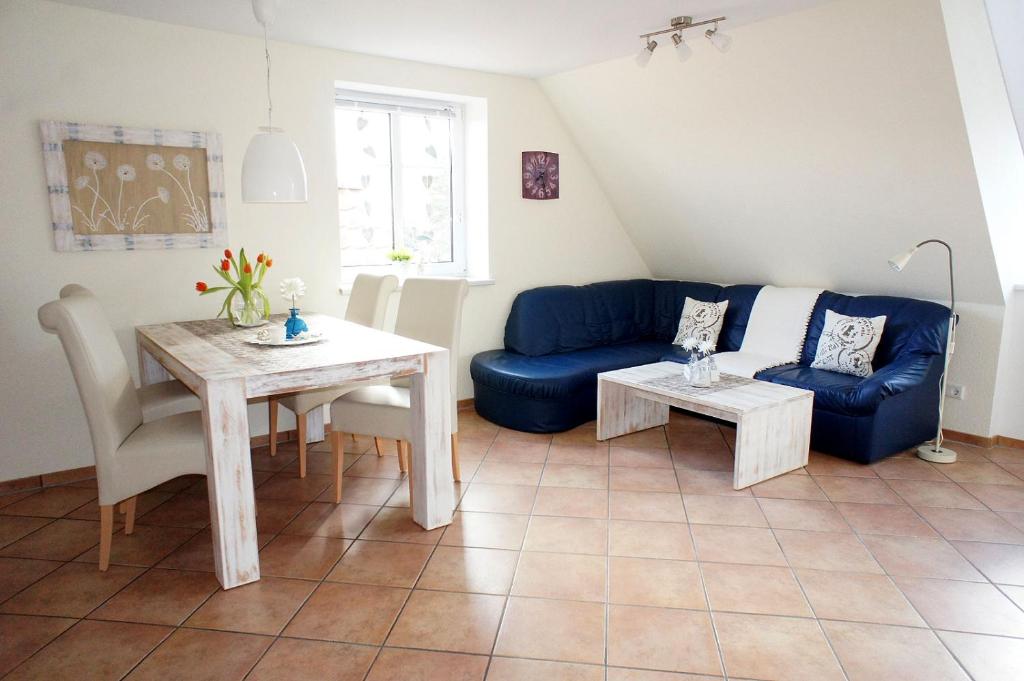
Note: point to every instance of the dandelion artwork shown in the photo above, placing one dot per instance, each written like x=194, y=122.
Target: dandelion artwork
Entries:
x=123, y=188
x=136, y=188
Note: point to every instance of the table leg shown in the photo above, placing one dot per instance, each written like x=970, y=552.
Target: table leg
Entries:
x=621, y=411
x=150, y=370
x=430, y=463
x=229, y=483
x=770, y=442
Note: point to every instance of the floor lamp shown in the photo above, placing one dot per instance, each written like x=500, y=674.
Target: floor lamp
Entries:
x=935, y=452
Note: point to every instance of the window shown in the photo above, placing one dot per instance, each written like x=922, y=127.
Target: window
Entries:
x=400, y=181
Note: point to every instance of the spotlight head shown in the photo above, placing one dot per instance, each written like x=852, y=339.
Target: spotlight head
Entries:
x=646, y=51
x=683, y=50
x=721, y=41
x=898, y=262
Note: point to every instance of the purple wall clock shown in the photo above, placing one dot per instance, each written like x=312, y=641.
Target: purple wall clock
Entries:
x=540, y=175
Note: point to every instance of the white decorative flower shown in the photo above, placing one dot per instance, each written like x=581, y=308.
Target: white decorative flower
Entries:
x=155, y=162
x=689, y=343
x=292, y=288
x=126, y=172
x=81, y=182
x=182, y=162
x=94, y=160
x=705, y=347
x=163, y=194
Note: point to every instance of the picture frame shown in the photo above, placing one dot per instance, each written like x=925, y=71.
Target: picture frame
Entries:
x=118, y=188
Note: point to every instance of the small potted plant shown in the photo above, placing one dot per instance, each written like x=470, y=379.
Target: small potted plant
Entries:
x=401, y=259
x=246, y=304
x=292, y=289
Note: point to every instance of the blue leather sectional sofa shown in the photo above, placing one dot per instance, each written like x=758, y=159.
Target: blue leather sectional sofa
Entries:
x=558, y=338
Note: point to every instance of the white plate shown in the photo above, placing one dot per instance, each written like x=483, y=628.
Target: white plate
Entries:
x=278, y=339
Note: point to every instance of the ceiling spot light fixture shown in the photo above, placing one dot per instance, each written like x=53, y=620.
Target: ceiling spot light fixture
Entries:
x=721, y=41
x=676, y=28
x=646, y=51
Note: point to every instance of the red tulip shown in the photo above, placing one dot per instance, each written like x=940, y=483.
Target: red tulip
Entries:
x=260, y=257
x=225, y=265
x=201, y=286
x=270, y=262
x=247, y=269
x=227, y=253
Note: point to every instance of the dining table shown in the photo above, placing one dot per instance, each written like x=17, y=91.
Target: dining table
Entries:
x=226, y=367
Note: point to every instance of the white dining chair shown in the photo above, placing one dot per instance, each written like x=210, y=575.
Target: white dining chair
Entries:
x=132, y=455
x=430, y=310
x=157, y=400
x=367, y=305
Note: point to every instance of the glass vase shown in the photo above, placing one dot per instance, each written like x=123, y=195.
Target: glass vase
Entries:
x=251, y=310
x=702, y=374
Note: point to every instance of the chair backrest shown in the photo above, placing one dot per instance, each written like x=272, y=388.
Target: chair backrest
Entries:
x=368, y=302
x=105, y=385
x=430, y=310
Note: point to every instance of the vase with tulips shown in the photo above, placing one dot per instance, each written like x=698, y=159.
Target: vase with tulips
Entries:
x=245, y=304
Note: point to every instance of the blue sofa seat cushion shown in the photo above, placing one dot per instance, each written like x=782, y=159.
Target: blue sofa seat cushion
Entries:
x=562, y=375
x=853, y=395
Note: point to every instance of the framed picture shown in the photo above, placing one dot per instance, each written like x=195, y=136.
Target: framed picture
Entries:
x=117, y=188
x=540, y=175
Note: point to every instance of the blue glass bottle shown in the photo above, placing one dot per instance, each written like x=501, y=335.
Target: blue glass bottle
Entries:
x=294, y=325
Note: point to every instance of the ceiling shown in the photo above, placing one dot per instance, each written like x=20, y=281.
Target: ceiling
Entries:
x=522, y=37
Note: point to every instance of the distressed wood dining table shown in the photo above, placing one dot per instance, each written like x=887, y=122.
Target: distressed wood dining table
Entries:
x=216, y=362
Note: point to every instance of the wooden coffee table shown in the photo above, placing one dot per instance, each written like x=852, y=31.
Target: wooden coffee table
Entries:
x=773, y=422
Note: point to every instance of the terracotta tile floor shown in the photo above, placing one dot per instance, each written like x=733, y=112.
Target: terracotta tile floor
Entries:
x=569, y=560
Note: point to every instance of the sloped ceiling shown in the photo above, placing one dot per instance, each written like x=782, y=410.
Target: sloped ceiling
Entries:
x=822, y=143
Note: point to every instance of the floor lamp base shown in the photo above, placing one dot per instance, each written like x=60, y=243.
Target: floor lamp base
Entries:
x=936, y=455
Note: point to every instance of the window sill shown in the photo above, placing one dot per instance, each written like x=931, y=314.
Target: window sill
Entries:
x=344, y=287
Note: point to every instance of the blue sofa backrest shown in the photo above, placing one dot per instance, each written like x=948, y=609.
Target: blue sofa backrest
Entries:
x=553, y=319
x=911, y=326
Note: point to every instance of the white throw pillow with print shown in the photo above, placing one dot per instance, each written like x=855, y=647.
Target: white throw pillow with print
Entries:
x=847, y=344
x=702, y=321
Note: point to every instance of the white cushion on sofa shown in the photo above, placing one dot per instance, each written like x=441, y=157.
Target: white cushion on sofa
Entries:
x=701, y=320
x=847, y=344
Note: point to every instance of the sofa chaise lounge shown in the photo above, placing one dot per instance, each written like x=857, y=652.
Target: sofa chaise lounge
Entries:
x=558, y=338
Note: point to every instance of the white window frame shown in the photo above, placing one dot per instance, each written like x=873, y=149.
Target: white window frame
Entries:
x=453, y=111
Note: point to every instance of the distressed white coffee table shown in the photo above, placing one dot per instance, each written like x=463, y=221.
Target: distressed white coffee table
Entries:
x=773, y=422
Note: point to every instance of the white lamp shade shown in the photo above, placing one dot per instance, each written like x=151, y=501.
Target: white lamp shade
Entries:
x=898, y=262
x=721, y=41
x=643, y=57
x=272, y=170
x=683, y=51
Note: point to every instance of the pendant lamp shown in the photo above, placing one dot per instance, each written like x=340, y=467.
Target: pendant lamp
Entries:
x=272, y=170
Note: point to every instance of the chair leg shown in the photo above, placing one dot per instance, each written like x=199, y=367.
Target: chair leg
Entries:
x=407, y=454
x=379, y=444
x=403, y=458
x=129, y=515
x=338, y=459
x=300, y=425
x=456, y=469
x=106, y=535
x=272, y=406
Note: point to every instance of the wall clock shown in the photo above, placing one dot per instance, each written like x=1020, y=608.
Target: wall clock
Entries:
x=540, y=175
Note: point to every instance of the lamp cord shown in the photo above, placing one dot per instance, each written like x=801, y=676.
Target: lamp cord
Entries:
x=270, y=102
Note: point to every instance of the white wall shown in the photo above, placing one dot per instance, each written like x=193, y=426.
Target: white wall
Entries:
x=825, y=141
x=68, y=63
